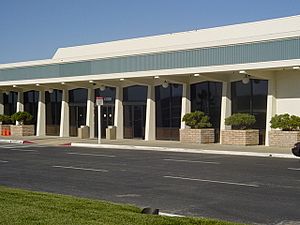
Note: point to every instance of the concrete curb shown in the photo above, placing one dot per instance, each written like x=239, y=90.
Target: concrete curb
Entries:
x=186, y=150
x=7, y=141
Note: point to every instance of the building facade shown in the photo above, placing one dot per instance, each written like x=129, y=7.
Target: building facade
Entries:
x=149, y=83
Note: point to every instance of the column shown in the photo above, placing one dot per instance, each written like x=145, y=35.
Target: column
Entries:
x=41, y=115
x=90, y=113
x=1, y=103
x=150, y=127
x=119, y=112
x=185, y=103
x=65, y=114
x=271, y=107
x=20, y=104
x=225, y=106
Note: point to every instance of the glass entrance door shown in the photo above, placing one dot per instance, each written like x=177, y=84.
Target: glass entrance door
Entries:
x=77, y=119
x=107, y=119
x=134, y=121
x=134, y=108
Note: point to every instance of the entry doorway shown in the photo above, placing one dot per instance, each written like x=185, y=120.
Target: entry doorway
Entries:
x=134, y=121
x=134, y=109
x=107, y=119
x=77, y=107
x=77, y=118
x=107, y=109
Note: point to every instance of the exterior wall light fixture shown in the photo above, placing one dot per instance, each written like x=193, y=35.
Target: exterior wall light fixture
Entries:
x=246, y=79
x=196, y=75
x=102, y=88
x=50, y=90
x=165, y=84
x=122, y=79
x=156, y=77
x=296, y=68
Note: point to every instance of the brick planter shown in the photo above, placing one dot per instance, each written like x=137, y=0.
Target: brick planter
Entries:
x=281, y=138
x=4, y=127
x=198, y=136
x=22, y=130
x=240, y=137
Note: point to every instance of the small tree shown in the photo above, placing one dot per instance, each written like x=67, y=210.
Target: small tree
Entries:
x=240, y=121
x=197, y=120
x=285, y=122
x=21, y=117
x=5, y=119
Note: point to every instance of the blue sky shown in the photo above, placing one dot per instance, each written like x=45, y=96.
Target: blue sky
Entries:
x=34, y=29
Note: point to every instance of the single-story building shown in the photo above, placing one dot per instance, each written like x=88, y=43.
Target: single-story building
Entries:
x=150, y=83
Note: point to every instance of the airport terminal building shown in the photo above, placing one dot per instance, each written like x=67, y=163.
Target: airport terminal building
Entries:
x=150, y=83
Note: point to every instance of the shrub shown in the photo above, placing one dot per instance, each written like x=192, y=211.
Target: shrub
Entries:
x=21, y=117
x=197, y=120
x=240, y=121
x=5, y=119
x=285, y=122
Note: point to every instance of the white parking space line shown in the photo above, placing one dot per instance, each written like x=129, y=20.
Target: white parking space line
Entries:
x=14, y=146
x=212, y=181
x=22, y=150
x=3, y=161
x=190, y=161
x=297, y=169
x=88, y=154
x=80, y=168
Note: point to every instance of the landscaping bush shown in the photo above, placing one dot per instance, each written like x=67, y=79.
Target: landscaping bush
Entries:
x=197, y=120
x=21, y=117
x=285, y=122
x=240, y=121
x=5, y=119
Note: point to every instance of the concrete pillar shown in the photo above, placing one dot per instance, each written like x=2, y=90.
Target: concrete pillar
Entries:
x=185, y=103
x=119, y=112
x=225, y=105
x=64, y=130
x=90, y=113
x=1, y=103
x=271, y=107
x=150, y=127
x=41, y=115
x=20, y=103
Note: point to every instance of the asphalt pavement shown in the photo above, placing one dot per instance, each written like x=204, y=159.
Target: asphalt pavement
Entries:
x=252, y=190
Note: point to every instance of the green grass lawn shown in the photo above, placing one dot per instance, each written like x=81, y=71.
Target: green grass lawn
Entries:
x=26, y=207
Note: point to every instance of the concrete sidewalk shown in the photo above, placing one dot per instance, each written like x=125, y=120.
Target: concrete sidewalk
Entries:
x=171, y=146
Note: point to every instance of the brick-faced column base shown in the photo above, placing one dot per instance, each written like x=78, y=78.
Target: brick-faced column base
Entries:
x=240, y=137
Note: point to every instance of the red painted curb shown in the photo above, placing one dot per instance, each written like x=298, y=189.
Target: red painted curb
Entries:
x=28, y=142
x=66, y=144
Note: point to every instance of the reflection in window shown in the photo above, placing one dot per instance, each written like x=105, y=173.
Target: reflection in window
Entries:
x=53, y=110
x=251, y=98
x=10, y=102
x=31, y=99
x=168, y=111
x=207, y=97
